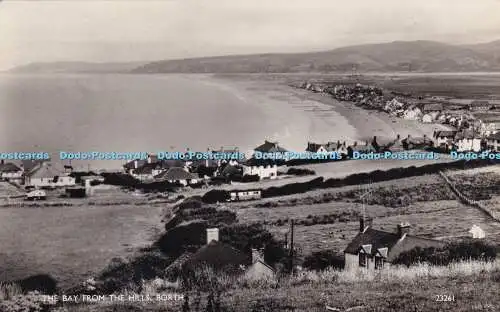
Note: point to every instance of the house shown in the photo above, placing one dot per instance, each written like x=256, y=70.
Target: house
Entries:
x=48, y=175
x=412, y=113
x=231, y=156
x=236, y=195
x=479, y=105
x=264, y=168
x=467, y=141
x=375, y=249
x=393, y=106
x=315, y=148
x=177, y=175
x=10, y=172
x=270, y=147
x=477, y=232
x=444, y=138
x=360, y=148
x=427, y=118
x=259, y=269
x=493, y=142
x=339, y=148
x=217, y=256
x=411, y=142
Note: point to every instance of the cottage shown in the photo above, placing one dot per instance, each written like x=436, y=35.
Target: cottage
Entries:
x=360, y=148
x=48, y=175
x=10, y=172
x=445, y=138
x=264, y=168
x=417, y=142
x=468, y=141
x=493, y=142
x=477, y=232
x=427, y=118
x=259, y=269
x=236, y=195
x=177, y=175
x=374, y=249
x=412, y=113
x=269, y=147
x=315, y=148
x=217, y=256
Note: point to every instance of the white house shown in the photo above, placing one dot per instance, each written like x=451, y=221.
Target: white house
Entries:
x=445, y=138
x=48, y=175
x=477, y=232
x=264, y=169
x=245, y=195
x=468, y=141
x=413, y=113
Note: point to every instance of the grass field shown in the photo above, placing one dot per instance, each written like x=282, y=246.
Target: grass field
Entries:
x=443, y=219
x=72, y=242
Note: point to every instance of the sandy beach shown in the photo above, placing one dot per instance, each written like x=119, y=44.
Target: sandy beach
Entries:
x=318, y=117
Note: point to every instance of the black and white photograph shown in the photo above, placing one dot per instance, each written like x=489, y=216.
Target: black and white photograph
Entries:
x=249, y=156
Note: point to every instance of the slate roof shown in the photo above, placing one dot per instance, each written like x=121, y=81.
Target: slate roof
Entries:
x=466, y=134
x=270, y=147
x=9, y=167
x=176, y=173
x=259, y=162
x=29, y=165
x=381, y=239
x=130, y=164
x=218, y=256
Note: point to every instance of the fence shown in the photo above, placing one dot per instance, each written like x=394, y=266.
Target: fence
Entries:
x=471, y=202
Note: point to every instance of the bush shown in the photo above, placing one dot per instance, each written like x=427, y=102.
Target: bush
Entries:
x=250, y=178
x=215, y=196
x=183, y=236
x=452, y=252
x=322, y=260
x=42, y=283
x=300, y=172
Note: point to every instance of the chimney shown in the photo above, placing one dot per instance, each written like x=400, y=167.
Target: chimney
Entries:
x=398, y=137
x=355, y=143
x=257, y=254
x=2, y=161
x=365, y=224
x=212, y=235
x=403, y=229
x=135, y=164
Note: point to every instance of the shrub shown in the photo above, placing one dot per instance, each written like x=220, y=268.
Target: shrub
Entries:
x=300, y=171
x=42, y=283
x=215, y=196
x=183, y=236
x=250, y=178
x=321, y=260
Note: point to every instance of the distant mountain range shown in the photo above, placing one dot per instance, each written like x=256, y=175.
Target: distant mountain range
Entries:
x=77, y=67
x=398, y=56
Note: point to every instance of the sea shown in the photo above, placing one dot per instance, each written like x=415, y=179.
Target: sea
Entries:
x=124, y=113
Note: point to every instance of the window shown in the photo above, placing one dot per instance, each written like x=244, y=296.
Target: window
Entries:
x=379, y=263
x=362, y=259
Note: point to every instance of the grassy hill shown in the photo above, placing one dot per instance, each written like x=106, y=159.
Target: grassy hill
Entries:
x=419, y=56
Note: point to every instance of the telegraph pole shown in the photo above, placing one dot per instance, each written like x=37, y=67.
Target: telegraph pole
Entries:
x=291, y=245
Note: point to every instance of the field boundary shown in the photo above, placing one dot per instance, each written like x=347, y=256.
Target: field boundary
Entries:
x=471, y=202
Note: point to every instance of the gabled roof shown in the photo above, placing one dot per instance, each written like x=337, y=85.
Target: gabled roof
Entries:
x=260, y=261
x=29, y=165
x=392, y=241
x=9, y=167
x=314, y=147
x=46, y=170
x=270, y=147
x=467, y=134
x=219, y=256
x=174, y=174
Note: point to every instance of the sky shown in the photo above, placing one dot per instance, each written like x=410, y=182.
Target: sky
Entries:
x=144, y=30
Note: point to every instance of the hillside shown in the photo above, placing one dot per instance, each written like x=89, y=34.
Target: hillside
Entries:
x=76, y=67
x=424, y=56
x=419, y=56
